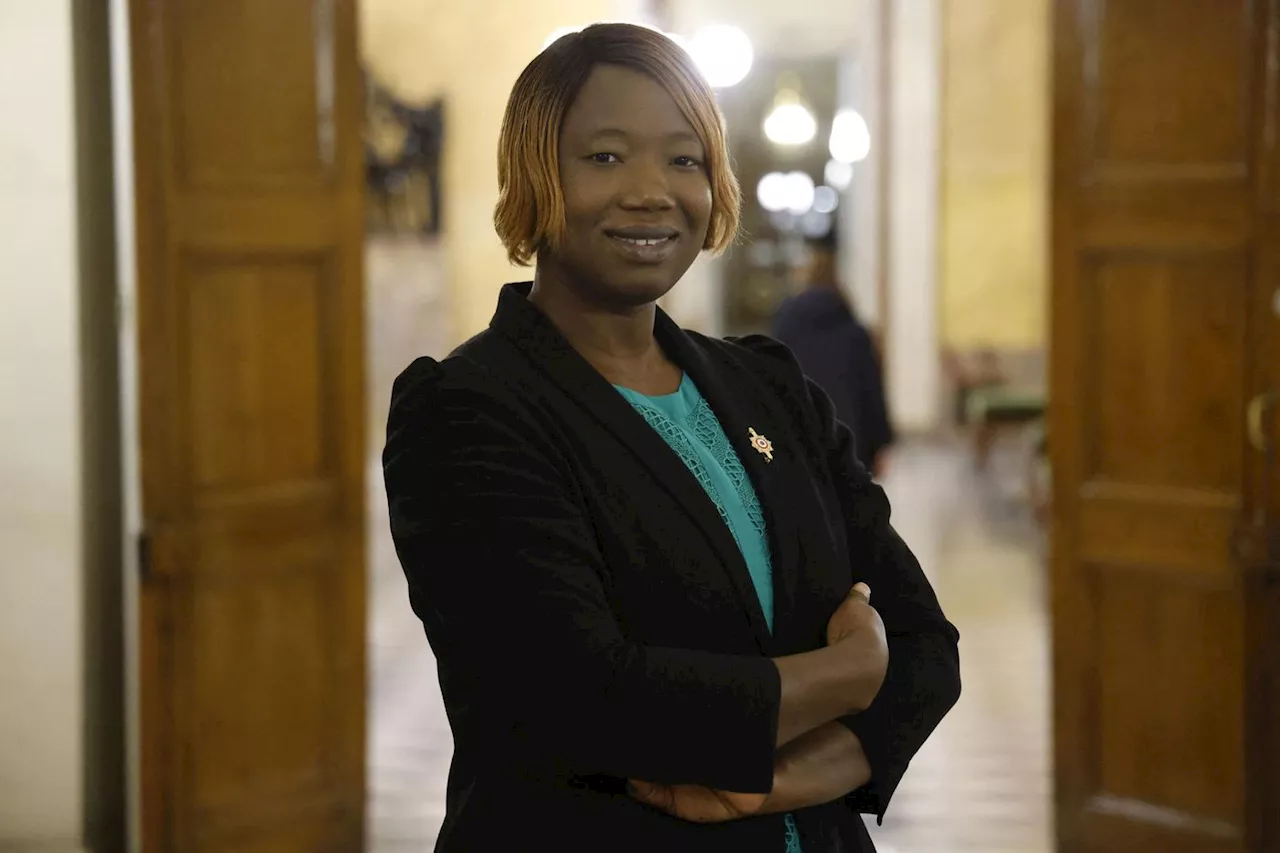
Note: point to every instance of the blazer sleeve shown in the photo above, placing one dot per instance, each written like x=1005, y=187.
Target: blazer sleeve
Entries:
x=923, y=679
x=506, y=574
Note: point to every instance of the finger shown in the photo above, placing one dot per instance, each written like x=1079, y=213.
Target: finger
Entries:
x=861, y=590
x=643, y=791
x=661, y=797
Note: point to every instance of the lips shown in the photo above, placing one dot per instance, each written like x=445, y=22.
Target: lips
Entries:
x=643, y=232
x=644, y=244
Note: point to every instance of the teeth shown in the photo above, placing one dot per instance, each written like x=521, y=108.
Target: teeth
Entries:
x=643, y=242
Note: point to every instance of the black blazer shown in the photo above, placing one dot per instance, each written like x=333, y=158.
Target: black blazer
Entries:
x=591, y=615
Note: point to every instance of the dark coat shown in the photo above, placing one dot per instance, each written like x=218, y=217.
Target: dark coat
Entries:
x=591, y=615
x=836, y=351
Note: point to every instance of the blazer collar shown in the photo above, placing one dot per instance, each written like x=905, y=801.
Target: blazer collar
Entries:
x=732, y=392
x=525, y=326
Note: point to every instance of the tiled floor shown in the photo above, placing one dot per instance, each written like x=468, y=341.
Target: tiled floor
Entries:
x=981, y=784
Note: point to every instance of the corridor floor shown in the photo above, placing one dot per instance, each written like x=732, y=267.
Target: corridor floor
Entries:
x=980, y=785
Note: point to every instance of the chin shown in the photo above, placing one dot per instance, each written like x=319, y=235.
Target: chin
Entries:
x=635, y=287
x=639, y=290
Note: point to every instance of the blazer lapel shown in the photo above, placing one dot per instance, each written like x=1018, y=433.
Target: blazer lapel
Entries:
x=735, y=397
x=530, y=331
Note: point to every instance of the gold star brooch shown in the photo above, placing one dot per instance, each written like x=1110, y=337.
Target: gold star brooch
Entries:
x=762, y=445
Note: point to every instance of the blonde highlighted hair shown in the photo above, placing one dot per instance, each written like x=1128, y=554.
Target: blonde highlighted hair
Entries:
x=530, y=211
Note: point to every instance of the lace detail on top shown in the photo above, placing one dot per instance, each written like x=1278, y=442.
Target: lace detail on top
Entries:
x=793, y=836
x=707, y=428
x=703, y=423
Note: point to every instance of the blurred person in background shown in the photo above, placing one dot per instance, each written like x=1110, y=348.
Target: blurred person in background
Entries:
x=837, y=352
x=644, y=558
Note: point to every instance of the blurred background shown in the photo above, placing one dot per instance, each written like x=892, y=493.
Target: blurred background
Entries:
x=227, y=225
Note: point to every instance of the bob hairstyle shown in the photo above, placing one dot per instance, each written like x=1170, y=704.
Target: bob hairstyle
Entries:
x=530, y=213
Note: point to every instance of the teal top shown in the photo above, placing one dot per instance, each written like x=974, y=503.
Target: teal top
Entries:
x=686, y=422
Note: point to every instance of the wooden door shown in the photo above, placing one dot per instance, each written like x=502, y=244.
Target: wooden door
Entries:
x=1166, y=254
x=248, y=193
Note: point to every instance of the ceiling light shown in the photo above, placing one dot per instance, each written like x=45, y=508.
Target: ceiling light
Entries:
x=850, y=137
x=790, y=122
x=724, y=54
x=837, y=174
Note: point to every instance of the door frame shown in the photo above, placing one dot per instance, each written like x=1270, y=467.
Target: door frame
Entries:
x=130, y=448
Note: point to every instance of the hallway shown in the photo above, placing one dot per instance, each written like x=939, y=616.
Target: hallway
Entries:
x=981, y=784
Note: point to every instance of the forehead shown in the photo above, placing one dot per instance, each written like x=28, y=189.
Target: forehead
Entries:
x=619, y=98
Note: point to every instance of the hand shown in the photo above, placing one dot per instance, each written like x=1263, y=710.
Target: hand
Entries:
x=852, y=615
x=695, y=803
x=857, y=626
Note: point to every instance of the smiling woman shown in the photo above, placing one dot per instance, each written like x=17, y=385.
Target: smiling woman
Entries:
x=530, y=150
x=633, y=547
x=641, y=202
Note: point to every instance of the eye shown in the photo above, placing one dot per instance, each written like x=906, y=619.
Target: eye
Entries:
x=688, y=162
x=604, y=157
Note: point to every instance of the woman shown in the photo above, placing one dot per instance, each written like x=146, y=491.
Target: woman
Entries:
x=632, y=547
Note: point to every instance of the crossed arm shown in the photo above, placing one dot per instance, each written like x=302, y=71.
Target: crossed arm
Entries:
x=818, y=766
x=862, y=756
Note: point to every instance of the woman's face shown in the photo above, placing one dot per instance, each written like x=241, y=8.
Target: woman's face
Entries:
x=636, y=192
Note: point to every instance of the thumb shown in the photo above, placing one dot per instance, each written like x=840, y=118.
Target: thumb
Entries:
x=863, y=590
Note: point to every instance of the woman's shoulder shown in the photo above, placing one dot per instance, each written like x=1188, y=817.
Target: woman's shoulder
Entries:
x=768, y=366
x=455, y=392
x=430, y=381
x=764, y=356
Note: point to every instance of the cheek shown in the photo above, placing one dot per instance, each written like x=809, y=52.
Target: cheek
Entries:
x=705, y=202
x=700, y=208
x=582, y=193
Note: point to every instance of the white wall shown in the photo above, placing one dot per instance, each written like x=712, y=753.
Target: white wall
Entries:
x=40, y=525
x=61, y=785
x=913, y=363
x=860, y=219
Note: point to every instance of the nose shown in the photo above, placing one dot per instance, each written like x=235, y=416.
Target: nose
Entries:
x=647, y=188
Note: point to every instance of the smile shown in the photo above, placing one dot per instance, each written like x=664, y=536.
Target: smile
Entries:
x=644, y=245
x=644, y=248
x=643, y=241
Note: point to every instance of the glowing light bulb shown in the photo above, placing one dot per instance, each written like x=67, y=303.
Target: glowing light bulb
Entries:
x=850, y=137
x=790, y=124
x=724, y=54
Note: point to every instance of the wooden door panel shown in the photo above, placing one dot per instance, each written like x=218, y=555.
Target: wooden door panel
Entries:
x=273, y=742
x=1260, y=534
x=250, y=230
x=1169, y=673
x=1119, y=826
x=1269, y=150
x=1166, y=212
x=1164, y=342
x=245, y=115
x=1187, y=64
x=1158, y=140
x=1184, y=538
x=259, y=381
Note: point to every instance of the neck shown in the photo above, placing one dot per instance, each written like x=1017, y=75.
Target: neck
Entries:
x=617, y=341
